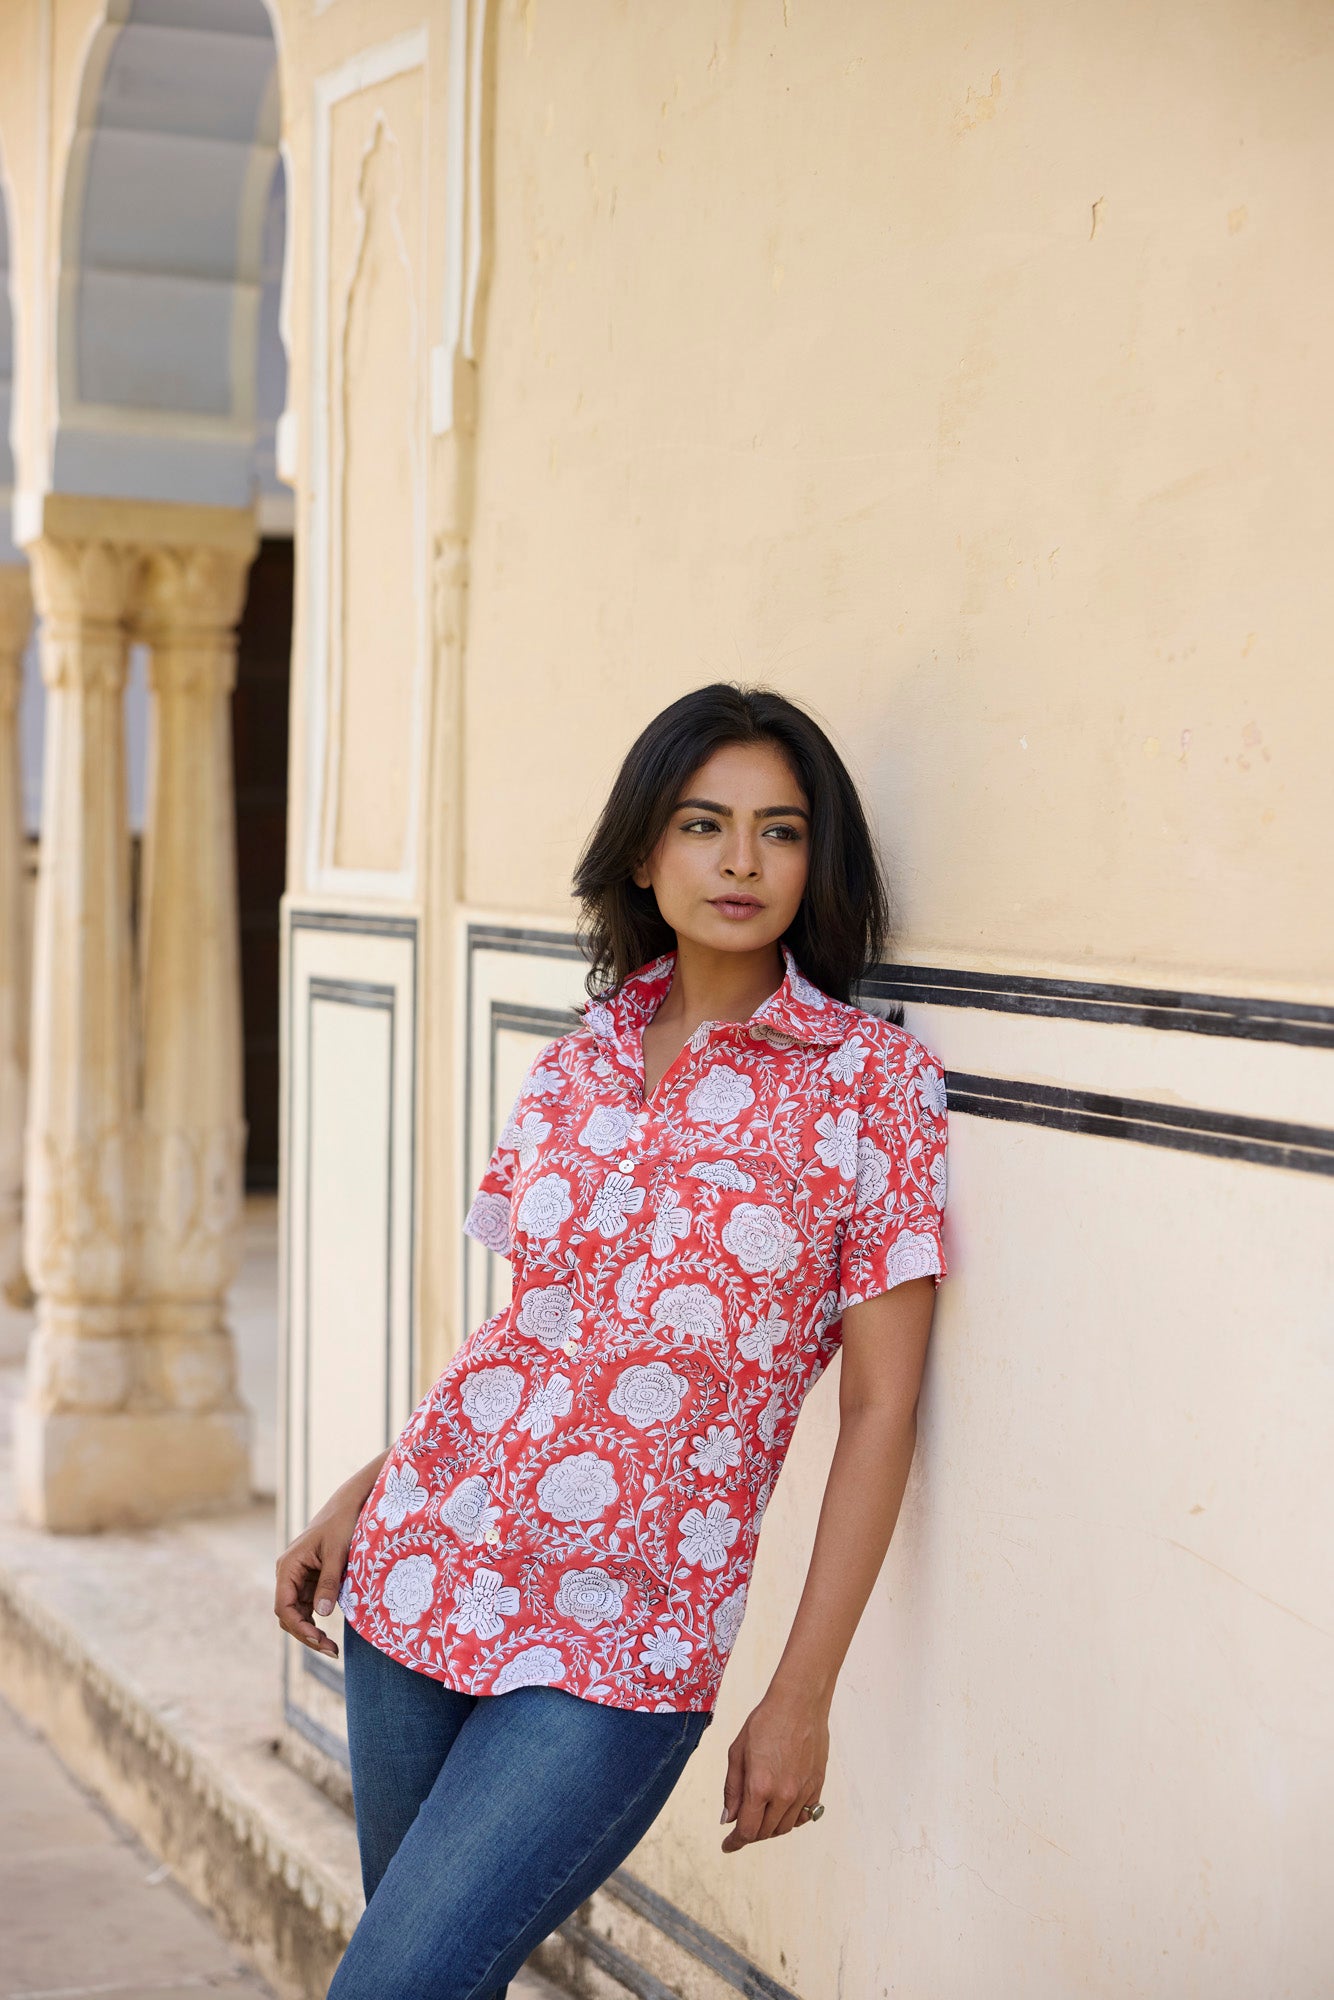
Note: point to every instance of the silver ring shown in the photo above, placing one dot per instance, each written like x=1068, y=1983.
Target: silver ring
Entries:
x=814, y=1811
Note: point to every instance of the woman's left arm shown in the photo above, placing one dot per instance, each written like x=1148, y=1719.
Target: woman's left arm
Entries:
x=776, y=1763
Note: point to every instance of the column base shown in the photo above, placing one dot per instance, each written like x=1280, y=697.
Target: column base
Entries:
x=86, y=1469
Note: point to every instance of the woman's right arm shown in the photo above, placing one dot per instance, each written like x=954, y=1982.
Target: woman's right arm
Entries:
x=310, y=1571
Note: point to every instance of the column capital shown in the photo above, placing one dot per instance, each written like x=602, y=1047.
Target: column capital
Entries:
x=83, y=591
x=187, y=603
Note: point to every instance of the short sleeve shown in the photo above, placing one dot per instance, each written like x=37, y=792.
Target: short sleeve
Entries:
x=894, y=1231
x=488, y=1217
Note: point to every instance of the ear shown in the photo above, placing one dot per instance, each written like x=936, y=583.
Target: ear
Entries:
x=640, y=876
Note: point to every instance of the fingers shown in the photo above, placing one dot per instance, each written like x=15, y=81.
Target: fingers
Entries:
x=292, y=1605
x=328, y=1587
x=809, y=1796
x=762, y=1804
x=734, y=1783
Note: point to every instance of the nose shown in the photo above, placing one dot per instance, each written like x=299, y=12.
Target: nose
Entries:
x=741, y=858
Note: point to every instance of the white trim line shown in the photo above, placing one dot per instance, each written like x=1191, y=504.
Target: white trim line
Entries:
x=367, y=68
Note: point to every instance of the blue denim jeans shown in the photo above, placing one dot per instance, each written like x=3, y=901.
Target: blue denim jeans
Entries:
x=483, y=1821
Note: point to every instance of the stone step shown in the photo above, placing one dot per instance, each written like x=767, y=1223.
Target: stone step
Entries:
x=149, y=1661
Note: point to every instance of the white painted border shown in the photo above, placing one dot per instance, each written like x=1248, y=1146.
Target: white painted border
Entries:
x=463, y=203
x=367, y=68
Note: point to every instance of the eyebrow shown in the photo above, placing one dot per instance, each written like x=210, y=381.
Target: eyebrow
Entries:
x=762, y=812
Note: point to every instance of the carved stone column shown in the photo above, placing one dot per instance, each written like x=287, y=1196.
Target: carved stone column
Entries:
x=193, y=1133
x=78, y=1450
x=15, y=626
x=132, y=1225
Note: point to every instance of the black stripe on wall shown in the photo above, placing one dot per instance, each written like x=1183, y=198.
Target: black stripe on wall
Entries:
x=1268, y=1142
x=1083, y=1000
x=1227, y=1135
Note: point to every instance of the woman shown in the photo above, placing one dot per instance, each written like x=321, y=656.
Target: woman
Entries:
x=724, y=1175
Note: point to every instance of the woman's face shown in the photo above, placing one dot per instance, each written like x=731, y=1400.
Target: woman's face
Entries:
x=730, y=869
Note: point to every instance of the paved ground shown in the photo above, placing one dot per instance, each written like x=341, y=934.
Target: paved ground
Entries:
x=84, y=1909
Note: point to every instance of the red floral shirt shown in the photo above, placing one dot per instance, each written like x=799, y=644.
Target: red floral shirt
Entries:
x=577, y=1501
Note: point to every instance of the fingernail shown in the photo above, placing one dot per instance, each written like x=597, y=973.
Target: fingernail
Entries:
x=324, y=1607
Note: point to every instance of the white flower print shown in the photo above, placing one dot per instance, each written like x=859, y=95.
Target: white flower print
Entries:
x=488, y=1220
x=491, y=1396
x=467, y=1510
x=590, y=1597
x=716, y=1452
x=598, y=1017
x=548, y=1313
x=525, y=1135
x=706, y=1537
x=691, y=1309
x=812, y=1152
x=827, y=1309
x=647, y=1394
x=720, y=1096
x=545, y=1205
x=872, y=1173
x=759, y=1238
x=554, y=1399
x=914, y=1255
x=670, y=1223
x=577, y=1488
x=810, y=996
x=615, y=1201
x=545, y=1082
x=759, y=1344
x=848, y=1059
x=837, y=1144
x=931, y=1090
x=409, y=1589
x=767, y=1420
x=403, y=1494
x=607, y=1129
x=535, y=1666
x=627, y=1285
x=727, y=1618
x=666, y=1651
x=348, y=1599
x=483, y=1605
x=724, y=1174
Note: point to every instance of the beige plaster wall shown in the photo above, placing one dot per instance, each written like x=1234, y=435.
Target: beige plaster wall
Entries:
x=955, y=368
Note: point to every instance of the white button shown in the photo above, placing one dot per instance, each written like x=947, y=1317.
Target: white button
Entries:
x=625, y=1165
x=571, y=1346
x=493, y=1536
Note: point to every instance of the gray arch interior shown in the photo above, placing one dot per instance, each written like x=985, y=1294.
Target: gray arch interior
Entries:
x=171, y=367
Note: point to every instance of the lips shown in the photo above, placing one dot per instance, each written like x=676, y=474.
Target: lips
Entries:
x=736, y=906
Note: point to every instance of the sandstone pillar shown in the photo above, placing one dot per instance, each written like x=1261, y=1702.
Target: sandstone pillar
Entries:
x=15, y=626
x=193, y=1129
x=130, y=1412
x=76, y=1444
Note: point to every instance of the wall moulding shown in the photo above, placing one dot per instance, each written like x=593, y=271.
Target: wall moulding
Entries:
x=334, y=294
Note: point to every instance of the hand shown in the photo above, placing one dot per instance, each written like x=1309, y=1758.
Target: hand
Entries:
x=775, y=1766
x=310, y=1571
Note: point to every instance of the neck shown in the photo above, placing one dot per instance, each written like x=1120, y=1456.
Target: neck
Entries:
x=709, y=985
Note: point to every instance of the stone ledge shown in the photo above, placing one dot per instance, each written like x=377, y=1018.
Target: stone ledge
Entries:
x=291, y=1914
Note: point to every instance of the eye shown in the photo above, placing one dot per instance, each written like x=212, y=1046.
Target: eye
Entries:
x=699, y=826
x=784, y=832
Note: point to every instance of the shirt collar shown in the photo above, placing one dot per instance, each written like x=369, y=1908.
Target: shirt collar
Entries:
x=796, y=1012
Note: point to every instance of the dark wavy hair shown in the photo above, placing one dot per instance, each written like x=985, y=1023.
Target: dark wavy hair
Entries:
x=842, y=925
